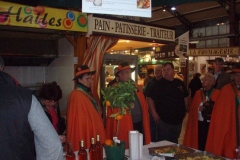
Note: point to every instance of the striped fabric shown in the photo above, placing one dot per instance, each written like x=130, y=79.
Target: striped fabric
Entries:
x=93, y=57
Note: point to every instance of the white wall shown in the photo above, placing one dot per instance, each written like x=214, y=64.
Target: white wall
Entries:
x=27, y=75
x=61, y=70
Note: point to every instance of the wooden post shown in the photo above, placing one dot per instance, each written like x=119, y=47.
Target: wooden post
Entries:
x=80, y=46
x=81, y=42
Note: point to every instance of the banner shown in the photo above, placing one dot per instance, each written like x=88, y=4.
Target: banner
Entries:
x=123, y=28
x=12, y=14
x=231, y=51
x=182, y=48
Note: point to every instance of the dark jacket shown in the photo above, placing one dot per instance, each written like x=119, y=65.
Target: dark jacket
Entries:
x=112, y=82
x=194, y=85
x=61, y=126
x=16, y=136
x=221, y=80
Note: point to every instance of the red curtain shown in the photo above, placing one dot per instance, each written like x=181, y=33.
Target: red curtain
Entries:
x=93, y=57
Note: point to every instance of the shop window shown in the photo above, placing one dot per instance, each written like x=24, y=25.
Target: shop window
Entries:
x=212, y=43
x=215, y=30
x=201, y=44
x=223, y=29
x=224, y=42
x=198, y=32
x=208, y=31
x=218, y=29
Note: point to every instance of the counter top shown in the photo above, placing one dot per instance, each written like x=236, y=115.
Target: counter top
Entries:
x=146, y=155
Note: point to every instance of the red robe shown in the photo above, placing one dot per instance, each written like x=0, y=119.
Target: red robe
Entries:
x=83, y=120
x=222, y=138
x=191, y=133
x=126, y=123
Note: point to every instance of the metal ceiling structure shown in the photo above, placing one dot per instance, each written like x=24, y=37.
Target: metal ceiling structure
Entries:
x=192, y=15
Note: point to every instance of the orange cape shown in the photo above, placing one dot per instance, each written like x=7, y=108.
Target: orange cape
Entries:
x=191, y=133
x=83, y=120
x=222, y=139
x=126, y=123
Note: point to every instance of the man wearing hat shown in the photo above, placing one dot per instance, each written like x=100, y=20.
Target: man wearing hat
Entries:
x=222, y=78
x=138, y=119
x=223, y=135
x=83, y=113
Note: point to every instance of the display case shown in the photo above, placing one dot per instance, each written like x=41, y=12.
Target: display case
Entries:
x=110, y=61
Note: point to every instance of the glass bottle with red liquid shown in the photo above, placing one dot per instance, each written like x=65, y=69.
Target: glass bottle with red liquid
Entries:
x=82, y=153
x=70, y=154
x=99, y=147
x=93, y=150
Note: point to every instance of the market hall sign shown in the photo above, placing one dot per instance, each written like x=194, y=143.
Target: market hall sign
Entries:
x=108, y=26
x=231, y=51
x=12, y=14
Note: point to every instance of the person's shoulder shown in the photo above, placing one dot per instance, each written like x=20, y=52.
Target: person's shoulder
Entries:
x=177, y=80
x=226, y=87
x=225, y=74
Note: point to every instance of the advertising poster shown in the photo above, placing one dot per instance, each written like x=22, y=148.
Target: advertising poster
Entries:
x=139, y=8
x=182, y=48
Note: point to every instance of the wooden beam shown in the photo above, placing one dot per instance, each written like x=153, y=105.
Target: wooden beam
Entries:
x=71, y=40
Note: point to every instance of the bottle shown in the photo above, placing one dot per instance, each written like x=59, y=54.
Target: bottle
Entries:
x=93, y=150
x=99, y=147
x=82, y=153
x=70, y=154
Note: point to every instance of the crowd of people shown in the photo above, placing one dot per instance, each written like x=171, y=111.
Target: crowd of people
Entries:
x=158, y=112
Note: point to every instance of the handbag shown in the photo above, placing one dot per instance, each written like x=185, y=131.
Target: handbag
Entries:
x=207, y=109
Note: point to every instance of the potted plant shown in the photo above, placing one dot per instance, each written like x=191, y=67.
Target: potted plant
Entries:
x=121, y=97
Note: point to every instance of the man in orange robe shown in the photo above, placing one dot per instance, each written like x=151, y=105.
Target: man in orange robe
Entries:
x=83, y=118
x=139, y=117
x=191, y=138
x=223, y=136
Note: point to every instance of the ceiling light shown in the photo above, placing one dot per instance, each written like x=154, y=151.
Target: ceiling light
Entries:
x=164, y=10
x=218, y=24
x=173, y=8
x=222, y=23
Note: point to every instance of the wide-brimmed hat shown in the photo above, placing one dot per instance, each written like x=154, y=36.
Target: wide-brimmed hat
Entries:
x=123, y=66
x=81, y=70
x=218, y=60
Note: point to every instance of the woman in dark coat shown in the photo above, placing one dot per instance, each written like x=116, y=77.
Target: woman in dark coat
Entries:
x=195, y=84
x=49, y=96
